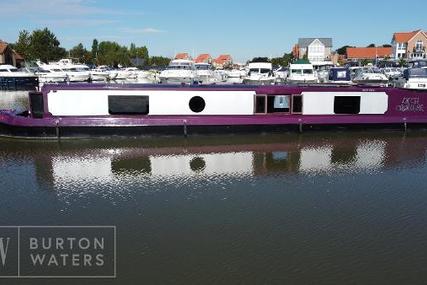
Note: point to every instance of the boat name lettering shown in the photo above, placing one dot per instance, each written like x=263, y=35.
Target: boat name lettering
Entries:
x=409, y=104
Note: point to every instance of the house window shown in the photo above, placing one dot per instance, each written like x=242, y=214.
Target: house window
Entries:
x=347, y=104
x=419, y=45
x=128, y=105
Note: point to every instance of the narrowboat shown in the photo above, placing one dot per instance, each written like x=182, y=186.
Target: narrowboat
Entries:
x=87, y=110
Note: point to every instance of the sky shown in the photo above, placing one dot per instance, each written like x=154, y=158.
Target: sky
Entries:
x=244, y=29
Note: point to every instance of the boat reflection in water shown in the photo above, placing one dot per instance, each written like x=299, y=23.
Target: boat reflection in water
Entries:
x=86, y=166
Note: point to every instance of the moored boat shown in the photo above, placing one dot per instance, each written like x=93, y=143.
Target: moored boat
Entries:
x=79, y=110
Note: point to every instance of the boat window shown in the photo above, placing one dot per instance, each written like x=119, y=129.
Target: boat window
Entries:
x=197, y=104
x=265, y=70
x=260, y=104
x=296, y=71
x=4, y=70
x=36, y=104
x=307, y=71
x=347, y=105
x=296, y=104
x=128, y=105
x=278, y=104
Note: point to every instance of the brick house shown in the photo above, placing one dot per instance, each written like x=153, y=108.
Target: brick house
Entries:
x=409, y=45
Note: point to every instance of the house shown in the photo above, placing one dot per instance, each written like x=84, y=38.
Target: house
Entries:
x=315, y=49
x=223, y=61
x=409, y=45
x=183, y=55
x=203, y=58
x=369, y=53
x=9, y=56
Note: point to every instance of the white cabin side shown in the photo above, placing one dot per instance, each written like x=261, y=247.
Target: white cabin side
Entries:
x=160, y=102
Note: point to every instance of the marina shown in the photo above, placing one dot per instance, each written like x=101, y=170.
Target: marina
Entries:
x=225, y=142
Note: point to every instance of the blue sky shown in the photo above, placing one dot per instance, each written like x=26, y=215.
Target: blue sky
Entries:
x=243, y=29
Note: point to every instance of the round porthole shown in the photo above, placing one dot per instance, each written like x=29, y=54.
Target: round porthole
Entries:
x=197, y=164
x=197, y=104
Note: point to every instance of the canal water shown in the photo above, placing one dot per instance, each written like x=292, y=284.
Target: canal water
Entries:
x=315, y=208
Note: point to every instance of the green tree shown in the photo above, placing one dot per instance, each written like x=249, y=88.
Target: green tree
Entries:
x=386, y=45
x=285, y=60
x=402, y=62
x=343, y=50
x=45, y=46
x=159, y=61
x=94, y=50
x=22, y=46
x=371, y=45
x=79, y=52
x=111, y=53
x=260, y=59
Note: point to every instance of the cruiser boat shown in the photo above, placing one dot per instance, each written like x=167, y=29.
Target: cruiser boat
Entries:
x=235, y=75
x=50, y=73
x=11, y=78
x=370, y=76
x=339, y=75
x=206, y=74
x=179, y=71
x=260, y=73
x=413, y=78
x=75, y=72
x=105, y=110
x=302, y=73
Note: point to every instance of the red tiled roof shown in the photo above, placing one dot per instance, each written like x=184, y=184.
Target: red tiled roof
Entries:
x=203, y=57
x=369, y=53
x=182, y=55
x=223, y=58
x=404, y=36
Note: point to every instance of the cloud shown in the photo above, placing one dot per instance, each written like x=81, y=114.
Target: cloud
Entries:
x=76, y=22
x=59, y=8
x=142, y=31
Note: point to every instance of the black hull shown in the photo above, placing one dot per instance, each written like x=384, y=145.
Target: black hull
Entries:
x=141, y=131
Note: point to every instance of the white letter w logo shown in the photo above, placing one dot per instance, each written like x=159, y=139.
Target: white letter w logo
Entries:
x=3, y=249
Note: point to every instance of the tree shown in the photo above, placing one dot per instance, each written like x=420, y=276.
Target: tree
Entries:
x=159, y=61
x=80, y=53
x=45, y=46
x=343, y=50
x=285, y=60
x=111, y=53
x=22, y=46
x=386, y=45
x=260, y=59
x=371, y=45
x=402, y=62
x=94, y=50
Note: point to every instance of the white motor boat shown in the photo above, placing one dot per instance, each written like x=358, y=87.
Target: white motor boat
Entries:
x=302, y=73
x=206, y=74
x=370, y=76
x=260, y=73
x=7, y=70
x=75, y=72
x=236, y=75
x=413, y=78
x=179, y=71
x=101, y=73
x=51, y=73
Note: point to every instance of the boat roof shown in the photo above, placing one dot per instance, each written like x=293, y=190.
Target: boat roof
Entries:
x=8, y=66
x=260, y=65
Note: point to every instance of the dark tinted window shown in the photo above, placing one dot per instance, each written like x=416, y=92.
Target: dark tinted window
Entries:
x=36, y=104
x=297, y=104
x=278, y=104
x=260, y=104
x=128, y=105
x=347, y=105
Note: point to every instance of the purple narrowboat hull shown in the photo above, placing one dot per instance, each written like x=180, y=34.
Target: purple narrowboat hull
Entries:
x=405, y=110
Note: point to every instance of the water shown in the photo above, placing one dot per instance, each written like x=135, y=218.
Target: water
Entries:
x=316, y=208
